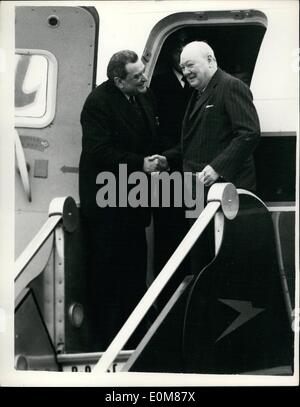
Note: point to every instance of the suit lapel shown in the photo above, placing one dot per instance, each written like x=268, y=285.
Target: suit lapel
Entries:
x=129, y=115
x=199, y=102
x=189, y=110
x=196, y=105
x=122, y=104
x=206, y=94
x=148, y=113
x=126, y=112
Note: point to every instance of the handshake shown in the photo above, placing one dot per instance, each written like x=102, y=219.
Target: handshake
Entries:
x=155, y=163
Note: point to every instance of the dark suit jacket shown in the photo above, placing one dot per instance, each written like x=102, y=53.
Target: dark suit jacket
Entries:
x=221, y=128
x=113, y=134
x=172, y=100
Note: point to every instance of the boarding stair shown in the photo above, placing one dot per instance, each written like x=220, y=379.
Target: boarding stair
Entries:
x=232, y=317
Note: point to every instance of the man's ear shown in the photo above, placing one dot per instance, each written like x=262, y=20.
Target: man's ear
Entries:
x=118, y=82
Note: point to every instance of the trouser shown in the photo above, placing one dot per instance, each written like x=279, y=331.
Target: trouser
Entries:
x=116, y=276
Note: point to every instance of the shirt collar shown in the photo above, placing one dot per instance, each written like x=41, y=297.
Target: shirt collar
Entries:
x=179, y=76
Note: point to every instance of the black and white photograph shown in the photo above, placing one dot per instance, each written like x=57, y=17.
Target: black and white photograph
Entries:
x=149, y=194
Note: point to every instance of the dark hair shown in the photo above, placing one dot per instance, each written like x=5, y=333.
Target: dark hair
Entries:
x=117, y=63
x=177, y=40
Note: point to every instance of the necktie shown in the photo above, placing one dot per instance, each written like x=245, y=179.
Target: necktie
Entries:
x=132, y=100
x=136, y=106
x=186, y=84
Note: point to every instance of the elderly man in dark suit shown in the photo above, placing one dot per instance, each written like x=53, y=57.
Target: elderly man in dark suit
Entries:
x=219, y=133
x=220, y=128
x=119, y=127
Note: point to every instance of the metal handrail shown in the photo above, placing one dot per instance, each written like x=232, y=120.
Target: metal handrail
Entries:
x=156, y=287
x=22, y=277
x=220, y=195
x=60, y=210
x=224, y=195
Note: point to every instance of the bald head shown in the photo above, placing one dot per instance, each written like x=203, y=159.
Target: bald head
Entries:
x=198, y=64
x=197, y=48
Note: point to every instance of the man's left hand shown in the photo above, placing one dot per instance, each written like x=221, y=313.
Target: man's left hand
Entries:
x=208, y=176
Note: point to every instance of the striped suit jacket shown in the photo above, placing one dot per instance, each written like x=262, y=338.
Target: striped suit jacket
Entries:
x=220, y=128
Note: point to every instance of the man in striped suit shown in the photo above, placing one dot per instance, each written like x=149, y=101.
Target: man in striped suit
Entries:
x=220, y=131
x=220, y=128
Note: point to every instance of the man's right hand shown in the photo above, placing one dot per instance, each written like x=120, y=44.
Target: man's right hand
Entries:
x=162, y=162
x=155, y=163
x=150, y=165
